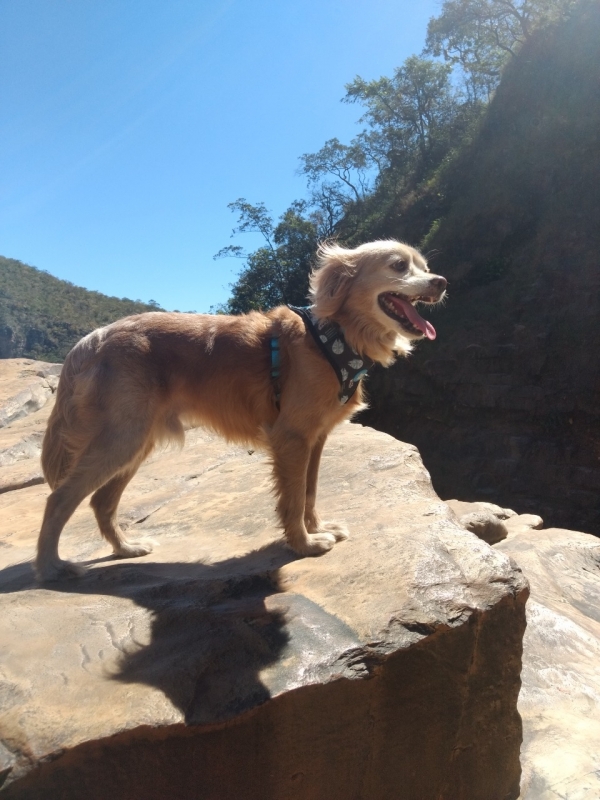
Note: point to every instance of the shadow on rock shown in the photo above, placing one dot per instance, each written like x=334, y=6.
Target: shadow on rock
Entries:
x=213, y=627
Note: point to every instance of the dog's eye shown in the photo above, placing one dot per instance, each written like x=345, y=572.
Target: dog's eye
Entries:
x=400, y=265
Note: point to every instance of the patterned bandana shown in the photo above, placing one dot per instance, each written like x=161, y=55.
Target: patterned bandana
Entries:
x=349, y=365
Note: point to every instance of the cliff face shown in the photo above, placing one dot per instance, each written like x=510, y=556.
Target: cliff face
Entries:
x=505, y=404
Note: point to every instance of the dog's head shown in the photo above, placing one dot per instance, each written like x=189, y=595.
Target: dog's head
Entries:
x=372, y=292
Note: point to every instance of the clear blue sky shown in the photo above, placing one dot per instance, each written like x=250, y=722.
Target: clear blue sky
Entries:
x=128, y=125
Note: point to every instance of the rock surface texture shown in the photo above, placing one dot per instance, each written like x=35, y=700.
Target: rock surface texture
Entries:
x=485, y=520
x=560, y=697
x=224, y=666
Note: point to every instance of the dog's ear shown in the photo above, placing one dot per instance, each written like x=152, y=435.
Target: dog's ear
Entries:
x=331, y=279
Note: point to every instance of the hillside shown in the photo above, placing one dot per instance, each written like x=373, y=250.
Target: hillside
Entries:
x=506, y=403
x=42, y=317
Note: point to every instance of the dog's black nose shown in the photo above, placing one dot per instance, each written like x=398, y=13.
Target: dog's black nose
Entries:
x=439, y=283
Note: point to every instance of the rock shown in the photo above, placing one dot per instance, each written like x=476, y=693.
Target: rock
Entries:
x=26, y=398
x=485, y=525
x=222, y=665
x=485, y=520
x=522, y=523
x=491, y=522
x=27, y=401
x=42, y=380
x=26, y=448
x=461, y=507
x=501, y=513
x=20, y=476
x=161, y=602
x=560, y=696
x=48, y=371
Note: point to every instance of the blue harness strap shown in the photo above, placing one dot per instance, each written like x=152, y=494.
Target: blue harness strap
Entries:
x=276, y=367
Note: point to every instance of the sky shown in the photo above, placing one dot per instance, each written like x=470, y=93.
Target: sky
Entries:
x=129, y=125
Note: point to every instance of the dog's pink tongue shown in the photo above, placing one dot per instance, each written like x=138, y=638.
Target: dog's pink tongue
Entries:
x=417, y=320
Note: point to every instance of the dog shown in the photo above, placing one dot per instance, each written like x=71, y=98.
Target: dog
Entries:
x=262, y=379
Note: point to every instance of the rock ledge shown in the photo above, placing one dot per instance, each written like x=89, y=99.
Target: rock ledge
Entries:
x=224, y=666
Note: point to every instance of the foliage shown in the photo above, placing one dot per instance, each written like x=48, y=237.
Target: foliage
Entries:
x=397, y=176
x=407, y=114
x=277, y=272
x=42, y=317
x=480, y=36
x=345, y=164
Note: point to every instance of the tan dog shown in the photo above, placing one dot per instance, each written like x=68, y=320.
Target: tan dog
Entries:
x=137, y=382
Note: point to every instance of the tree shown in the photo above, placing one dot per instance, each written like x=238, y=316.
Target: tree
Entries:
x=338, y=178
x=408, y=126
x=277, y=272
x=407, y=113
x=480, y=36
x=392, y=179
x=346, y=164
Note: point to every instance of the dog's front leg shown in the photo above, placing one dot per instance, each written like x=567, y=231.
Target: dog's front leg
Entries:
x=311, y=516
x=291, y=455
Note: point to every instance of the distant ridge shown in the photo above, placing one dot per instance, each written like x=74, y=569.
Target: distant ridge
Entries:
x=42, y=317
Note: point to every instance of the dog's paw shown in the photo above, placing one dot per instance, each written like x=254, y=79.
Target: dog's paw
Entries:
x=132, y=549
x=338, y=529
x=57, y=570
x=315, y=544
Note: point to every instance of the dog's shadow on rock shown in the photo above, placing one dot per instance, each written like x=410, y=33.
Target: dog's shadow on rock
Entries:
x=213, y=627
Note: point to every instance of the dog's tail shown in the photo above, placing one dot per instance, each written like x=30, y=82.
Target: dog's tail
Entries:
x=61, y=443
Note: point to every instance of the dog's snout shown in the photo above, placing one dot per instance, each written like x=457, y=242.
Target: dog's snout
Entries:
x=439, y=283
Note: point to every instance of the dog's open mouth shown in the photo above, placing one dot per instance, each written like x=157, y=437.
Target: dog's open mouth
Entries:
x=402, y=311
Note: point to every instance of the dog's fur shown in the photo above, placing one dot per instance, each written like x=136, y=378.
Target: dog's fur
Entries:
x=137, y=382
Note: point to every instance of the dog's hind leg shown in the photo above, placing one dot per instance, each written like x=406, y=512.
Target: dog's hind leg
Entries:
x=105, y=502
x=311, y=517
x=109, y=454
x=291, y=455
x=59, y=507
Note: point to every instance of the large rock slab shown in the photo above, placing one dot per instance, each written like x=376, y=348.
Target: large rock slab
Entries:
x=26, y=387
x=560, y=697
x=224, y=666
x=26, y=397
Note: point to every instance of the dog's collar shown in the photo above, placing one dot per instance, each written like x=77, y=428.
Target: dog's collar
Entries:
x=349, y=366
